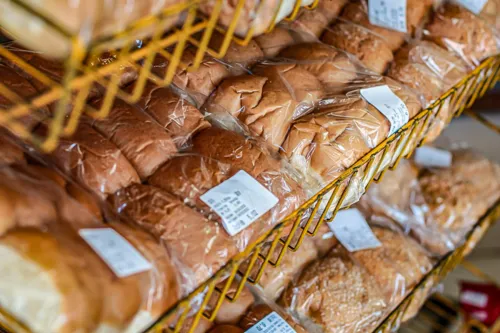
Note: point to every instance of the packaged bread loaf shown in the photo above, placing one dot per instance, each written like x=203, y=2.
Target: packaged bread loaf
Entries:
x=198, y=247
x=430, y=71
x=266, y=101
x=78, y=283
x=93, y=161
x=325, y=143
x=335, y=294
x=224, y=157
x=269, y=315
x=463, y=33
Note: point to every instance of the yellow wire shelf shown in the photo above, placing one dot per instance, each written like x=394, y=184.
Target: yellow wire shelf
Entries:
x=270, y=248
x=80, y=75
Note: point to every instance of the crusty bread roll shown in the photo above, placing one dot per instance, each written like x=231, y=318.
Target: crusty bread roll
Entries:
x=265, y=102
x=198, y=247
x=460, y=31
x=141, y=140
x=416, y=10
x=331, y=8
x=93, y=161
x=397, y=265
x=180, y=118
x=335, y=294
x=85, y=199
x=370, y=49
x=271, y=43
x=332, y=67
x=256, y=16
x=22, y=89
x=309, y=25
x=259, y=311
x=240, y=57
x=324, y=144
x=230, y=312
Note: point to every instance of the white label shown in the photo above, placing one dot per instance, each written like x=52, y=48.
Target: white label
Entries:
x=480, y=315
x=272, y=323
x=116, y=251
x=474, y=298
x=352, y=231
x=433, y=157
x=239, y=201
x=390, y=14
x=475, y=6
x=389, y=104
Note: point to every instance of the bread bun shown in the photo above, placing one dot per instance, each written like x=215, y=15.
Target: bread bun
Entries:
x=10, y=153
x=460, y=31
x=309, y=25
x=331, y=8
x=85, y=199
x=199, y=247
x=180, y=119
x=334, y=293
x=231, y=312
x=370, y=49
x=271, y=43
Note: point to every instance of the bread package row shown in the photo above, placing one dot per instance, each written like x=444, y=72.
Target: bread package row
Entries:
x=96, y=21
x=437, y=203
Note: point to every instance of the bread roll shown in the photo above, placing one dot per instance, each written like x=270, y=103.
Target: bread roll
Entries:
x=460, y=31
x=198, y=247
x=309, y=25
x=180, y=119
x=397, y=266
x=230, y=312
x=85, y=199
x=265, y=102
x=259, y=311
x=332, y=67
x=273, y=42
x=141, y=140
x=324, y=144
x=240, y=57
x=335, y=294
x=331, y=8
x=416, y=10
x=22, y=89
x=93, y=161
x=370, y=49
x=255, y=17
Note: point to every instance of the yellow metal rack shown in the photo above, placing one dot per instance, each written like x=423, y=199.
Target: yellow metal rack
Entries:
x=80, y=75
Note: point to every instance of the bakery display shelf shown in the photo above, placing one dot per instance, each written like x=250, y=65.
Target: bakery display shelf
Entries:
x=81, y=73
x=442, y=268
x=269, y=249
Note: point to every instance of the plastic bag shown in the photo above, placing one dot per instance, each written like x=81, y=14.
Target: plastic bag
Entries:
x=219, y=156
x=463, y=33
x=80, y=285
x=334, y=294
x=325, y=143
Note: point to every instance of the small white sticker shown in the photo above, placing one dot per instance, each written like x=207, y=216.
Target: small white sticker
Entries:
x=239, y=201
x=475, y=6
x=352, y=231
x=116, y=251
x=474, y=298
x=389, y=104
x=390, y=14
x=272, y=323
x=431, y=157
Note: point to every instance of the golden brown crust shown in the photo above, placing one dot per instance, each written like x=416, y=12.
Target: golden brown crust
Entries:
x=259, y=311
x=271, y=43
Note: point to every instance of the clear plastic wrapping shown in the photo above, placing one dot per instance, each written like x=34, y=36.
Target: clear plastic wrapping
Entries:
x=325, y=143
x=373, y=45
x=335, y=294
x=218, y=155
x=463, y=33
x=261, y=310
x=75, y=283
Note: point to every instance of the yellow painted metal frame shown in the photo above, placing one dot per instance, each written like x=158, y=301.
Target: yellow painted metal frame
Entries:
x=269, y=249
x=80, y=76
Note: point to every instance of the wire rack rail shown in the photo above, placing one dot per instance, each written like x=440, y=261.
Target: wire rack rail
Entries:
x=269, y=249
x=80, y=75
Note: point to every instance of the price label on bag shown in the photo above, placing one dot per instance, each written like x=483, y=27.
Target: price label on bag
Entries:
x=239, y=201
x=389, y=104
x=390, y=14
x=431, y=157
x=475, y=6
x=116, y=251
x=272, y=323
x=352, y=231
